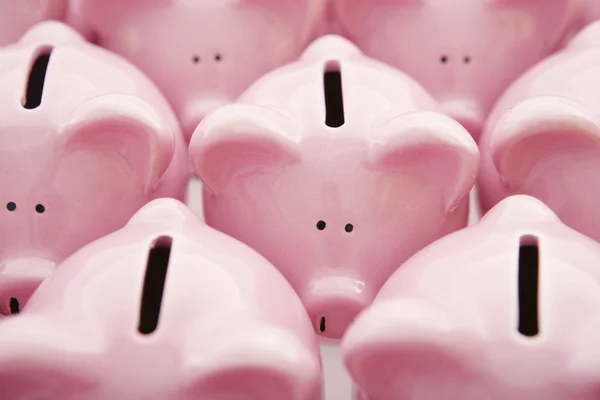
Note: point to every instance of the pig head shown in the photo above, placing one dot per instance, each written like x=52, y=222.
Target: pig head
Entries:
x=16, y=17
x=76, y=164
x=465, y=52
x=335, y=213
x=203, y=54
x=164, y=308
x=543, y=139
x=505, y=309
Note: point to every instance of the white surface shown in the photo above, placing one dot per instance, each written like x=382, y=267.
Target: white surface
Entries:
x=337, y=382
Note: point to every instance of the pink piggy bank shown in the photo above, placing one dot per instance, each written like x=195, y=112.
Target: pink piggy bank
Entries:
x=202, y=54
x=86, y=141
x=465, y=52
x=337, y=169
x=16, y=16
x=506, y=309
x=543, y=138
x=165, y=308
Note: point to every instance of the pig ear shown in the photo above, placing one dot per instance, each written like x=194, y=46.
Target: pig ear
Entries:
x=239, y=139
x=262, y=363
x=436, y=145
x=541, y=129
x=128, y=126
x=398, y=347
x=41, y=356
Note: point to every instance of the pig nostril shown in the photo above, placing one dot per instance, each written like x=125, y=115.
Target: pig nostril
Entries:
x=11, y=206
x=218, y=57
x=40, y=208
x=322, y=325
x=444, y=59
x=467, y=59
x=15, y=308
x=349, y=228
x=321, y=225
x=196, y=59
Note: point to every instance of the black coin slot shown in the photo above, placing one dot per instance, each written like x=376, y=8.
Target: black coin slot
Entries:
x=334, y=99
x=14, y=306
x=322, y=325
x=37, y=78
x=528, y=286
x=154, y=284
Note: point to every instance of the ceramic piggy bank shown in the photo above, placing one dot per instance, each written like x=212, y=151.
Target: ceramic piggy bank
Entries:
x=465, y=52
x=86, y=141
x=506, y=309
x=336, y=168
x=16, y=16
x=204, y=53
x=543, y=138
x=591, y=10
x=166, y=308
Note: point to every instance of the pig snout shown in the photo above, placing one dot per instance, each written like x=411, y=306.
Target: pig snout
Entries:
x=334, y=302
x=467, y=113
x=19, y=278
x=195, y=112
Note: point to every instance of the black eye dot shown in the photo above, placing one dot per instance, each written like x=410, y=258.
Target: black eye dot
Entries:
x=321, y=225
x=40, y=208
x=467, y=59
x=444, y=59
x=349, y=228
x=196, y=59
x=218, y=57
x=11, y=206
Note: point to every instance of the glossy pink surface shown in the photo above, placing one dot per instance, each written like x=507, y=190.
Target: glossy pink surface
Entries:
x=17, y=16
x=447, y=324
x=335, y=209
x=228, y=326
x=543, y=138
x=101, y=144
x=465, y=52
x=202, y=54
x=591, y=10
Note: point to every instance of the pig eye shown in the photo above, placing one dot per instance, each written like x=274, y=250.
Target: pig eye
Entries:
x=349, y=228
x=218, y=57
x=11, y=206
x=196, y=59
x=15, y=307
x=40, y=208
x=321, y=225
x=467, y=59
x=444, y=59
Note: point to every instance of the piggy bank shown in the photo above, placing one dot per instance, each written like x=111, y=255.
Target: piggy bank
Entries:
x=17, y=16
x=165, y=308
x=202, y=54
x=543, y=138
x=336, y=168
x=505, y=309
x=86, y=141
x=465, y=52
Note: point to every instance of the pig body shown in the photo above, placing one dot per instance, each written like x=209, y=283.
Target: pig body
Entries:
x=464, y=52
x=165, y=308
x=16, y=17
x=335, y=183
x=543, y=138
x=87, y=140
x=202, y=54
x=505, y=309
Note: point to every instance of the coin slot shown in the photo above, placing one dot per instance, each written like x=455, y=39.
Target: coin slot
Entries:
x=154, y=284
x=37, y=79
x=529, y=286
x=334, y=99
